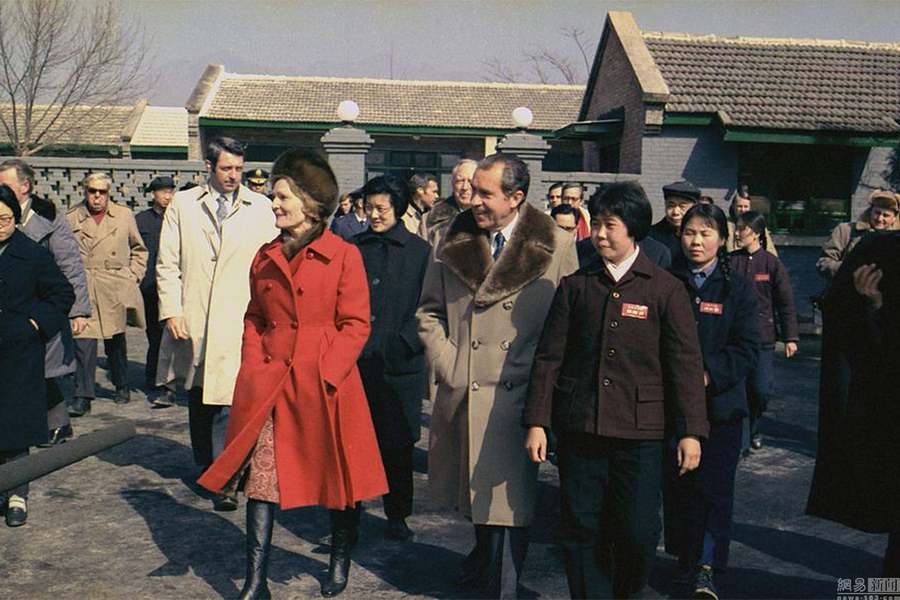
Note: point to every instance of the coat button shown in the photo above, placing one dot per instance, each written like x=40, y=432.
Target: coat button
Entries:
x=113, y=252
x=267, y=358
x=273, y=324
x=616, y=295
x=294, y=324
x=613, y=324
x=288, y=362
x=508, y=385
x=372, y=319
x=475, y=344
x=697, y=300
x=309, y=254
x=611, y=352
x=267, y=287
x=474, y=386
x=504, y=345
x=508, y=305
x=376, y=281
x=606, y=382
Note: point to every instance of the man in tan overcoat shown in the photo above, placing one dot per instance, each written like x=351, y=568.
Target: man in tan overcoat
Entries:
x=209, y=237
x=115, y=259
x=484, y=300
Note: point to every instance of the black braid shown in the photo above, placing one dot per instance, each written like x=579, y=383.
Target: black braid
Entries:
x=722, y=255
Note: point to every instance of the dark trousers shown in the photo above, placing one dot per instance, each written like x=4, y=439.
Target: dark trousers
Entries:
x=86, y=364
x=58, y=389
x=154, y=335
x=207, y=424
x=609, y=491
x=10, y=455
x=760, y=390
x=398, y=466
x=494, y=566
x=699, y=504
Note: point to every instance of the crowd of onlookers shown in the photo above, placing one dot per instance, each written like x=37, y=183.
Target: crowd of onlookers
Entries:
x=308, y=326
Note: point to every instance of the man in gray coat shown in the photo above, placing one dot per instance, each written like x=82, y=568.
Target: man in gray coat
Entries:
x=44, y=224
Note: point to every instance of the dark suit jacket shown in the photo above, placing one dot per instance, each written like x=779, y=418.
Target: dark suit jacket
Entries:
x=730, y=340
x=149, y=224
x=658, y=253
x=664, y=233
x=348, y=226
x=392, y=363
x=619, y=359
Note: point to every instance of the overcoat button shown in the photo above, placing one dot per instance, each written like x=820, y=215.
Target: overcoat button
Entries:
x=616, y=295
x=474, y=386
x=606, y=382
x=288, y=361
x=508, y=305
x=267, y=287
x=504, y=345
x=697, y=300
x=614, y=324
x=309, y=254
x=372, y=319
x=611, y=352
x=294, y=325
x=508, y=385
x=376, y=281
x=475, y=344
x=267, y=358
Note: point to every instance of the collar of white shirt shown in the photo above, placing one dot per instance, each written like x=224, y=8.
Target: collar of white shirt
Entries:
x=618, y=271
x=506, y=231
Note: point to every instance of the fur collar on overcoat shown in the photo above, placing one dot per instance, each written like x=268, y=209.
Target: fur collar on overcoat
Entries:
x=466, y=251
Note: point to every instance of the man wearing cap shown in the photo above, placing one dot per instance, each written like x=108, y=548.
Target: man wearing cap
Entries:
x=881, y=215
x=257, y=181
x=679, y=198
x=209, y=237
x=149, y=223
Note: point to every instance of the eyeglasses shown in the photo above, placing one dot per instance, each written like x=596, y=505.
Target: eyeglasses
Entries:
x=6, y=220
x=371, y=208
x=92, y=191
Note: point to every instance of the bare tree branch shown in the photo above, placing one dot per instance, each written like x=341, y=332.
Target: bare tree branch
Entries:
x=576, y=35
x=544, y=65
x=63, y=67
x=499, y=71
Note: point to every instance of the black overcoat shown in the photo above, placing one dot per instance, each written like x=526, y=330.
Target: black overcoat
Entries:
x=857, y=476
x=392, y=364
x=31, y=287
x=728, y=328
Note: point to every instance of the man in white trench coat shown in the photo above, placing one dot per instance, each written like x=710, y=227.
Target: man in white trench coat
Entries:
x=484, y=300
x=209, y=237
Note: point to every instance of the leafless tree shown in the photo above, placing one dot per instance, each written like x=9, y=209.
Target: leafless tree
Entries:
x=63, y=65
x=544, y=65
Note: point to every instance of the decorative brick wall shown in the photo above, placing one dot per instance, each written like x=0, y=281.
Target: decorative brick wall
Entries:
x=59, y=179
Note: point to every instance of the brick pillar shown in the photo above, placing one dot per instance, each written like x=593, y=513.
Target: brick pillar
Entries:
x=531, y=149
x=347, y=147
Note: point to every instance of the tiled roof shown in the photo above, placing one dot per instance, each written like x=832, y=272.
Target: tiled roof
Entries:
x=782, y=83
x=453, y=104
x=162, y=126
x=80, y=125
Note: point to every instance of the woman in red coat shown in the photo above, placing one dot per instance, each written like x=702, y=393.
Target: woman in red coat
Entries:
x=300, y=432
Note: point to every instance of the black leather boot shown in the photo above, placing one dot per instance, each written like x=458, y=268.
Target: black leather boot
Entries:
x=344, y=532
x=260, y=518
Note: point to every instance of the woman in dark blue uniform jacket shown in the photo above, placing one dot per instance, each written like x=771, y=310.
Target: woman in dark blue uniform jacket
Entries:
x=392, y=364
x=725, y=309
x=35, y=298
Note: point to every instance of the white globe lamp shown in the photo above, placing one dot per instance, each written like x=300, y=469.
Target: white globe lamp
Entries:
x=522, y=117
x=348, y=111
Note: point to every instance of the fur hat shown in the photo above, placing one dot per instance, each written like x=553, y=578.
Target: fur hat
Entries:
x=885, y=199
x=311, y=173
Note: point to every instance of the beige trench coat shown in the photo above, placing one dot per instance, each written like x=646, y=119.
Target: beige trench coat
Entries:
x=115, y=259
x=480, y=322
x=204, y=277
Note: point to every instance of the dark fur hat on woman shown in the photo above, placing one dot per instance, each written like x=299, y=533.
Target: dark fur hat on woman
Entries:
x=310, y=173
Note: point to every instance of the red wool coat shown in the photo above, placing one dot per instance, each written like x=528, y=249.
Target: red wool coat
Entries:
x=303, y=333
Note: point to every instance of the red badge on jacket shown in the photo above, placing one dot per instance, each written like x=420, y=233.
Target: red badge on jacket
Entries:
x=761, y=277
x=711, y=308
x=635, y=311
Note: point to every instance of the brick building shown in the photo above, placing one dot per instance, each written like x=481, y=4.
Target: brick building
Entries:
x=416, y=125
x=809, y=125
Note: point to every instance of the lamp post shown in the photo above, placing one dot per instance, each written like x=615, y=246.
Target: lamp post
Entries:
x=346, y=147
x=531, y=149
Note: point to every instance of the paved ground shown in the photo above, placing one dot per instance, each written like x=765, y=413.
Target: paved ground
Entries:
x=130, y=523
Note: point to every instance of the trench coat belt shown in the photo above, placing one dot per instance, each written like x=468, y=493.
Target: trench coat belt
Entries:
x=111, y=265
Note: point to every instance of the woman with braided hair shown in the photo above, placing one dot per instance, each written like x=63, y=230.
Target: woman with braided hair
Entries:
x=698, y=505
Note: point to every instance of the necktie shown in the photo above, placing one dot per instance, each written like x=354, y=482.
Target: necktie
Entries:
x=222, y=211
x=499, y=241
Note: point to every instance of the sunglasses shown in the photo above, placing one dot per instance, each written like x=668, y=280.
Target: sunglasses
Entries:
x=93, y=191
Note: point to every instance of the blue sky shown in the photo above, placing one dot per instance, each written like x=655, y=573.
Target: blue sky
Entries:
x=442, y=40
